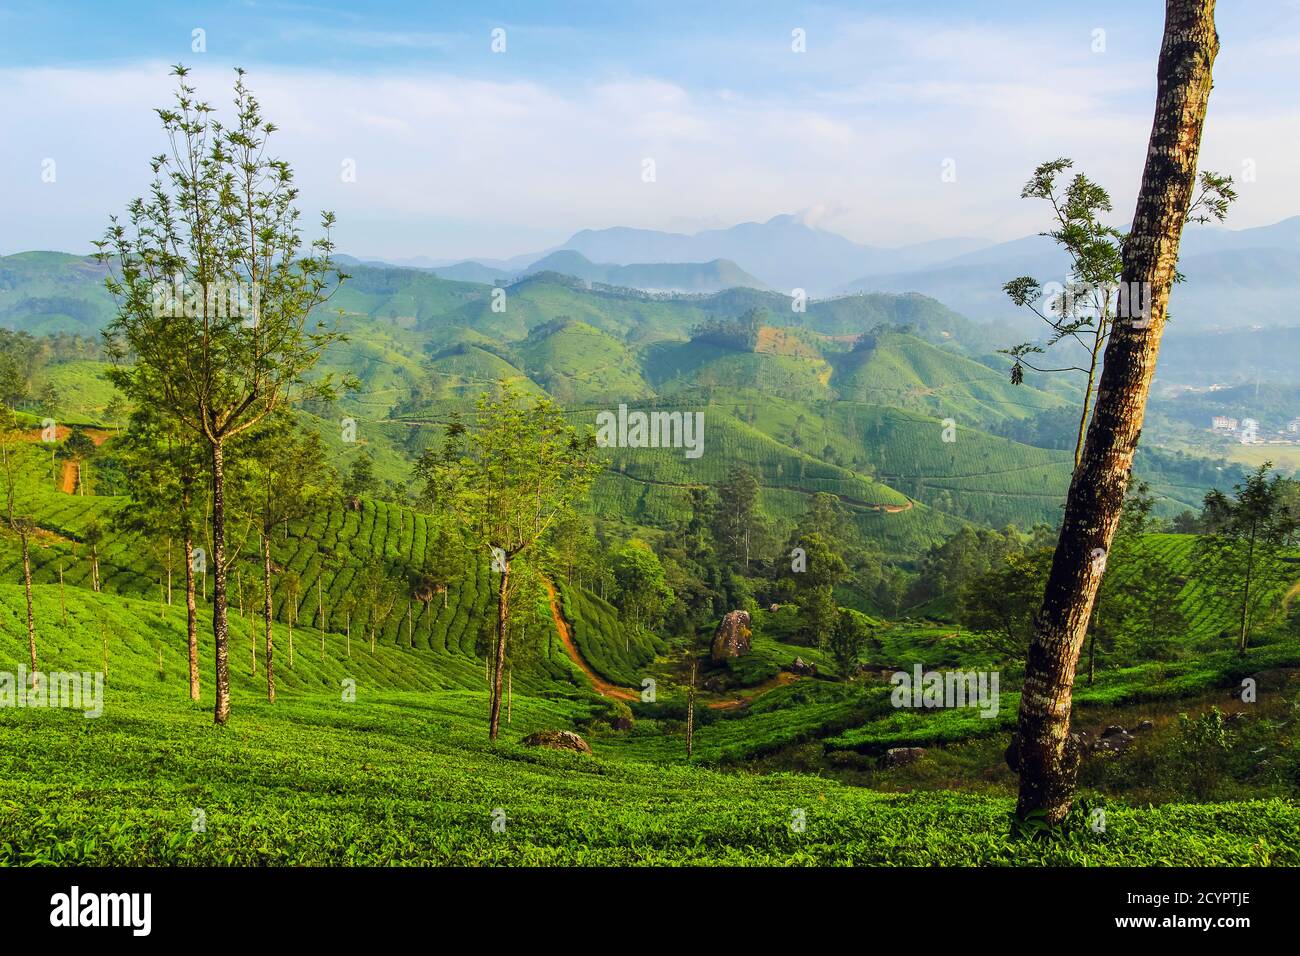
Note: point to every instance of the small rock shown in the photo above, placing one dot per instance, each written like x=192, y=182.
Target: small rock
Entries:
x=1114, y=743
x=1113, y=730
x=801, y=667
x=557, y=740
x=1146, y=725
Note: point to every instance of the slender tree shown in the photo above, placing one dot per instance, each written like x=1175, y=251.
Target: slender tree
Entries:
x=523, y=470
x=348, y=604
x=77, y=448
x=288, y=475
x=1043, y=750
x=93, y=536
x=214, y=295
x=1241, y=556
x=736, y=519
x=289, y=584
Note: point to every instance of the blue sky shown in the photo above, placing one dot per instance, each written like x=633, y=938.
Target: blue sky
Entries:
x=460, y=151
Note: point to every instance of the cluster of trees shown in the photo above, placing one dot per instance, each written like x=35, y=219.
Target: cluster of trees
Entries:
x=972, y=553
x=740, y=333
x=23, y=357
x=1245, y=555
x=1248, y=539
x=1136, y=615
x=725, y=555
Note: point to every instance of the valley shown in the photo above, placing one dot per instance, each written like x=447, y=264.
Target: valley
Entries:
x=383, y=678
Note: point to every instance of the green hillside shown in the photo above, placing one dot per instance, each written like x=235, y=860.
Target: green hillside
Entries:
x=463, y=372
x=397, y=728
x=367, y=555
x=575, y=362
x=902, y=371
x=46, y=292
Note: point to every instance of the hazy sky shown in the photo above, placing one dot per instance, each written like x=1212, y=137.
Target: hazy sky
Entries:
x=460, y=151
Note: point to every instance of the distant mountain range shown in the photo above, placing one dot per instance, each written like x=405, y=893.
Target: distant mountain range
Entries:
x=785, y=253
x=713, y=276
x=1234, y=278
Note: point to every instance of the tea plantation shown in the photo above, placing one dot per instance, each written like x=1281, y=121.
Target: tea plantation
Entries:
x=404, y=774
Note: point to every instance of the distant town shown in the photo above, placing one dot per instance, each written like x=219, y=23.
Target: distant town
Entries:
x=1247, y=431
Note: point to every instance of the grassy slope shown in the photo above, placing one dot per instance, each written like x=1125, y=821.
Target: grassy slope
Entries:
x=407, y=776
x=337, y=546
x=906, y=372
x=582, y=363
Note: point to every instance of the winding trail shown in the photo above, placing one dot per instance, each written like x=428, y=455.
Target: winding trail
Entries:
x=68, y=472
x=755, y=692
x=603, y=687
x=606, y=689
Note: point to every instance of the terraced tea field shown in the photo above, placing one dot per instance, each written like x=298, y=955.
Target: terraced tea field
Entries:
x=406, y=776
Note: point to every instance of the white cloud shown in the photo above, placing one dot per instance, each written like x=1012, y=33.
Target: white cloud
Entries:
x=855, y=133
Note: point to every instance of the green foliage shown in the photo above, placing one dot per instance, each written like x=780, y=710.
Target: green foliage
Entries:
x=399, y=778
x=848, y=639
x=1001, y=604
x=613, y=648
x=1243, y=553
x=641, y=589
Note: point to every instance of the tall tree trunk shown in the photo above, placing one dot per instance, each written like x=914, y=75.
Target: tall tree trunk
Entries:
x=503, y=607
x=690, y=712
x=1043, y=751
x=31, y=618
x=220, y=629
x=267, y=612
x=191, y=616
